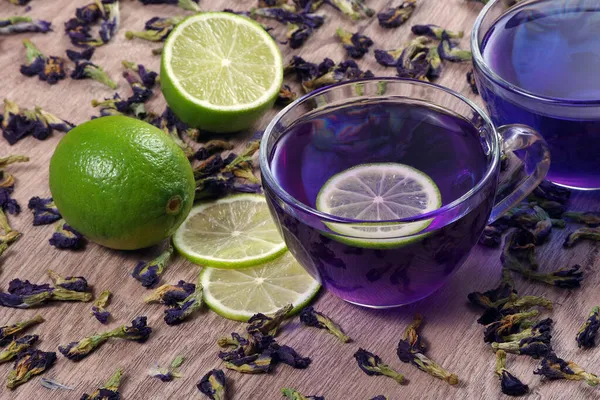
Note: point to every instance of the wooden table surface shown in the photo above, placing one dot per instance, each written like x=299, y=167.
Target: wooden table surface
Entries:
x=455, y=339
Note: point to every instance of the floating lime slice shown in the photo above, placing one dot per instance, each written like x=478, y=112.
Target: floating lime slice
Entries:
x=233, y=232
x=239, y=294
x=379, y=192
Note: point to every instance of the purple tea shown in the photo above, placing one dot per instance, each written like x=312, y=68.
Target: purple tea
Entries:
x=550, y=48
x=437, y=142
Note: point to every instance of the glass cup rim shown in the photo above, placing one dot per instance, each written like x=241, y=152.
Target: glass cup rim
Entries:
x=270, y=181
x=479, y=61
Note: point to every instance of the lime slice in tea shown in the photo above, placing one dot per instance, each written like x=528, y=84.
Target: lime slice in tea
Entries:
x=377, y=192
x=239, y=294
x=220, y=71
x=233, y=232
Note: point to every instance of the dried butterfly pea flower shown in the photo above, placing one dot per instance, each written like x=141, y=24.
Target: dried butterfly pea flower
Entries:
x=371, y=364
x=213, y=385
x=411, y=349
x=493, y=298
x=148, y=78
x=254, y=364
x=506, y=325
x=139, y=332
x=190, y=5
x=171, y=295
x=308, y=5
x=549, y=191
x=29, y=363
x=471, y=82
x=310, y=317
x=591, y=218
x=553, y=368
x=53, y=121
x=66, y=238
x=84, y=55
x=268, y=325
x=50, y=69
x=109, y=391
x=396, y=16
x=99, y=308
x=355, y=44
x=73, y=283
x=156, y=29
x=20, y=2
x=19, y=24
x=435, y=32
x=17, y=346
x=184, y=309
x=287, y=355
x=9, y=332
x=449, y=50
x=388, y=58
x=510, y=384
x=44, y=211
x=79, y=28
x=534, y=342
x=89, y=70
x=586, y=336
x=24, y=294
x=148, y=272
x=167, y=374
x=111, y=19
x=212, y=147
x=293, y=394
x=380, y=397
x=355, y=9
x=582, y=234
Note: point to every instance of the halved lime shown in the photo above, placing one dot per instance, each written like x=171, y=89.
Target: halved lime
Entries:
x=378, y=192
x=220, y=71
x=233, y=232
x=239, y=294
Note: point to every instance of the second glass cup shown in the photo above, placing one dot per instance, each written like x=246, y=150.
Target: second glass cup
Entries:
x=348, y=170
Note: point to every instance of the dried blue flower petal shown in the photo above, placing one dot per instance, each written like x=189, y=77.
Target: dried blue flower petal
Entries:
x=109, y=391
x=20, y=2
x=411, y=349
x=549, y=191
x=435, y=32
x=111, y=20
x=191, y=5
x=449, y=50
x=268, y=325
x=139, y=332
x=29, y=363
x=44, y=211
x=147, y=78
x=99, y=308
x=553, y=367
x=89, y=13
x=355, y=44
x=388, y=58
x=213, y=385
x=79, y=28
x=472, y=83
x=380, y=397
x=396, y=16
x=50, y=69
x=89, y=70
x=17, y=346
x=9, y=332
x=592, y=234
x=53, y=121
x=293, y=394
x=311, y=317
x=371, y=364
x=148, y=272
x=355, y=9
x=183, y=310
x=84, y=55
x=586, y=336
x=254, y=364
x=156, y=29
x=74, y=283
x=534, y=342
x=509, y=383
x=66, y=237
x=289, y=356
x=590, y=218
x=171, y=295
x=167, y=374
x=304, y=70
x=17, y=24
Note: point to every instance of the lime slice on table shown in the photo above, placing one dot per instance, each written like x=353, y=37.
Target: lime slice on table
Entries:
x=220, y=71
x=376, y=192
x=239, y=294
x=233, y=232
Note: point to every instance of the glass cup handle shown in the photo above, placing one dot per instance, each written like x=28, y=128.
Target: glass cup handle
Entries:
x=533, y=150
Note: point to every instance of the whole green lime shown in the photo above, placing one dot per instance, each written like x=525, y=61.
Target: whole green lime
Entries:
x=121, y=182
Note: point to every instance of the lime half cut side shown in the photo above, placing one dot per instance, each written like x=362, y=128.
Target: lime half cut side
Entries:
x=233, y=232
x=220, y=71
x=379, y=192
x=239, y=294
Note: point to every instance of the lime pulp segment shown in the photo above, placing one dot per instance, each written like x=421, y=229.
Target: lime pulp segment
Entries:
x=379, y=192
x=223, y=61
x=239, y=294
x=233, y=232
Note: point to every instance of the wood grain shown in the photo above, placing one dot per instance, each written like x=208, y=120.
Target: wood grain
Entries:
x=454, y=337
